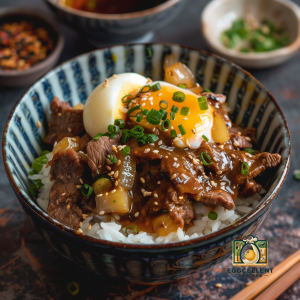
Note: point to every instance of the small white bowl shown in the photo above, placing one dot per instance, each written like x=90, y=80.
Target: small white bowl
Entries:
x=219, y=15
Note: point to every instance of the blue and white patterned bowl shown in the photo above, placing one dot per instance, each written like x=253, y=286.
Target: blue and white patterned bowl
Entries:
x=73, y=81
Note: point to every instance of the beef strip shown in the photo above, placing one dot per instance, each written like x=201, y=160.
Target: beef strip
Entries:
x=218, y=197
x=246, y=132
x=67, y=167
x=65, y=121
x=97, y=152
x=250, y=188
x=240, y=142
x=83, y=142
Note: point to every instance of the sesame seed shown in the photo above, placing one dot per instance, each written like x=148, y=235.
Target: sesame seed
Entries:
x=193, y=130
x=175, y=158
x=221, y=146
x=118, y=162
x=233, y=155
x=195, y=161
x=114, y=148
x=179, y=135
x=63, y=194
x=79, y=230
x=226, y=210
x=99, y=195
x=219, y=172
x=152, y=144
x=84, y=216
x=68, y=206
x=218, y=285
x=190, y=156
x=78, y=186
x=80, y=180
x=54, y=144
x=248, y=139
x=155, y=203
x=108, y=168
x=159, y=142
x=143, y=104
x=153, y=129
x=166, y=156
x=38, y=124
x=69, y=129
x=113, y=191
x=106, y=80
x=116, y=183
x=106, y=194
x=89, y=227
x=133, y=101
x=213, y=183
x=177, y=165
x=180, y=197
x=112, y=173
x=115, y=76
x=184, y=118
x=239, y=133
x=136, y=214
x=144, y=99
x=155, y=195
x=143, y=191
x=159, y=94
x=150, y=98
x=149, y=80
x=101, y=212
x=155, y=151
x=124, y=110
x=117, y=217
x=158, y=182
x=205, y=176
x=151, y=103
x=223, y=183
x=116, y=174
x=59, y=114
x=80, y=224
x=147, y=150
x=147, y=194
x=236, y=144
x=215, y=159
x=248, y=154
x=142, y=180
x=174, y=176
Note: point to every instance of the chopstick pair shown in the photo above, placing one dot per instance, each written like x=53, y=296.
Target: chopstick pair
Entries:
x=272, y=286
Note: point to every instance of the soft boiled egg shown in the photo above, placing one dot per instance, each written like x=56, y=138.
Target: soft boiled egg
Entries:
x=104, y=105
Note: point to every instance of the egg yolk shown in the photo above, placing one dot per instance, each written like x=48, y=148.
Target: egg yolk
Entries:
x=249, y=254
x=196, y=123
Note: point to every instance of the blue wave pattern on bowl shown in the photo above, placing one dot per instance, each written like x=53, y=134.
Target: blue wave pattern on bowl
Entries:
x=73, y=81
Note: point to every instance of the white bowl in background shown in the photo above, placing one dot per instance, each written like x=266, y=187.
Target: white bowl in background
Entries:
x=219, y=15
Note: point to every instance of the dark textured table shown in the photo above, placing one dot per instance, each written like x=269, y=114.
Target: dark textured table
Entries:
x=30, y=269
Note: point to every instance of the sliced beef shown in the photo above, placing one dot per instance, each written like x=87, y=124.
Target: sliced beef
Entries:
x=83, y=142
x=218, y=197
x=65, y=121
x=250, y=188
x=219, y=158
x=97, y=152
x=219, y=98
x=67, y=168
x=181, y=214
x=240, y=142
x=248, y=132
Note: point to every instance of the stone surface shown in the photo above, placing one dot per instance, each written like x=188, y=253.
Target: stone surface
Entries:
x=30, y=269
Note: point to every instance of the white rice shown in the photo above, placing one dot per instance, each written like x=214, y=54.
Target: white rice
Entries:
x=108, y=228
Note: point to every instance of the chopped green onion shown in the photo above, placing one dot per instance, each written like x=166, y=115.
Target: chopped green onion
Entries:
x=178, y=96
x=156, y=115
x=164, y=113
x=113, y=135
x=143, y=91
x=133, y=109
x=245, y=168
x=126, y=135
x=126, y=96
x=73, y=288
x=113, y=128
x=139, y=118
x=173, y=133
x=44, y=152
x=174, y=109
x=97, y=136
x=86, y=190
x=32, y=172
x=145, y=112
x=163, y=104
x=212, y=215
x=296, y=174
x=204, y=158
x=114, y=201
x=155, y=87
x=143, y=139
x=202, y=102
x=206, y=138
x=42, y=159
x=132, y=226
x=166, y=124
x=184, y=111
x=37, y=166
x=207, y=90
x=152, y=121
x=149, y=51
x=125, y=151
x=36, y=185
x=249, y=150
x=172, y=115
x=137, y=131
x=183, y=86
x=31, y=192
x=120, y=123
x=181, y=129
x=152, y=138
x=112, y=159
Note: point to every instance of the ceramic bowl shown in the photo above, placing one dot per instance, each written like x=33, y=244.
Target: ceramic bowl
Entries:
x=107, y=29
x=73, y=81
x=219, y=15
x=26, y=77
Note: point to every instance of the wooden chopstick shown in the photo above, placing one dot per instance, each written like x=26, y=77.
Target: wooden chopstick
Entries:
x=280, y=285
x=259, y=285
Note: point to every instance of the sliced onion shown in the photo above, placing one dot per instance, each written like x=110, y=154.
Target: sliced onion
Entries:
x=179, y=74
x=127, y=170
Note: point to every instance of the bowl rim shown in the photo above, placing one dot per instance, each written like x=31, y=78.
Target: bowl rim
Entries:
x=27, y=12
x=99, y=16
x=212, y=236
x=249, y=57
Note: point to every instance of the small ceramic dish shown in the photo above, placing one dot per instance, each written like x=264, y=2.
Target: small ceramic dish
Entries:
x=219, y=15
x=251, y=105
x=108, y=29
x=16, y=78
